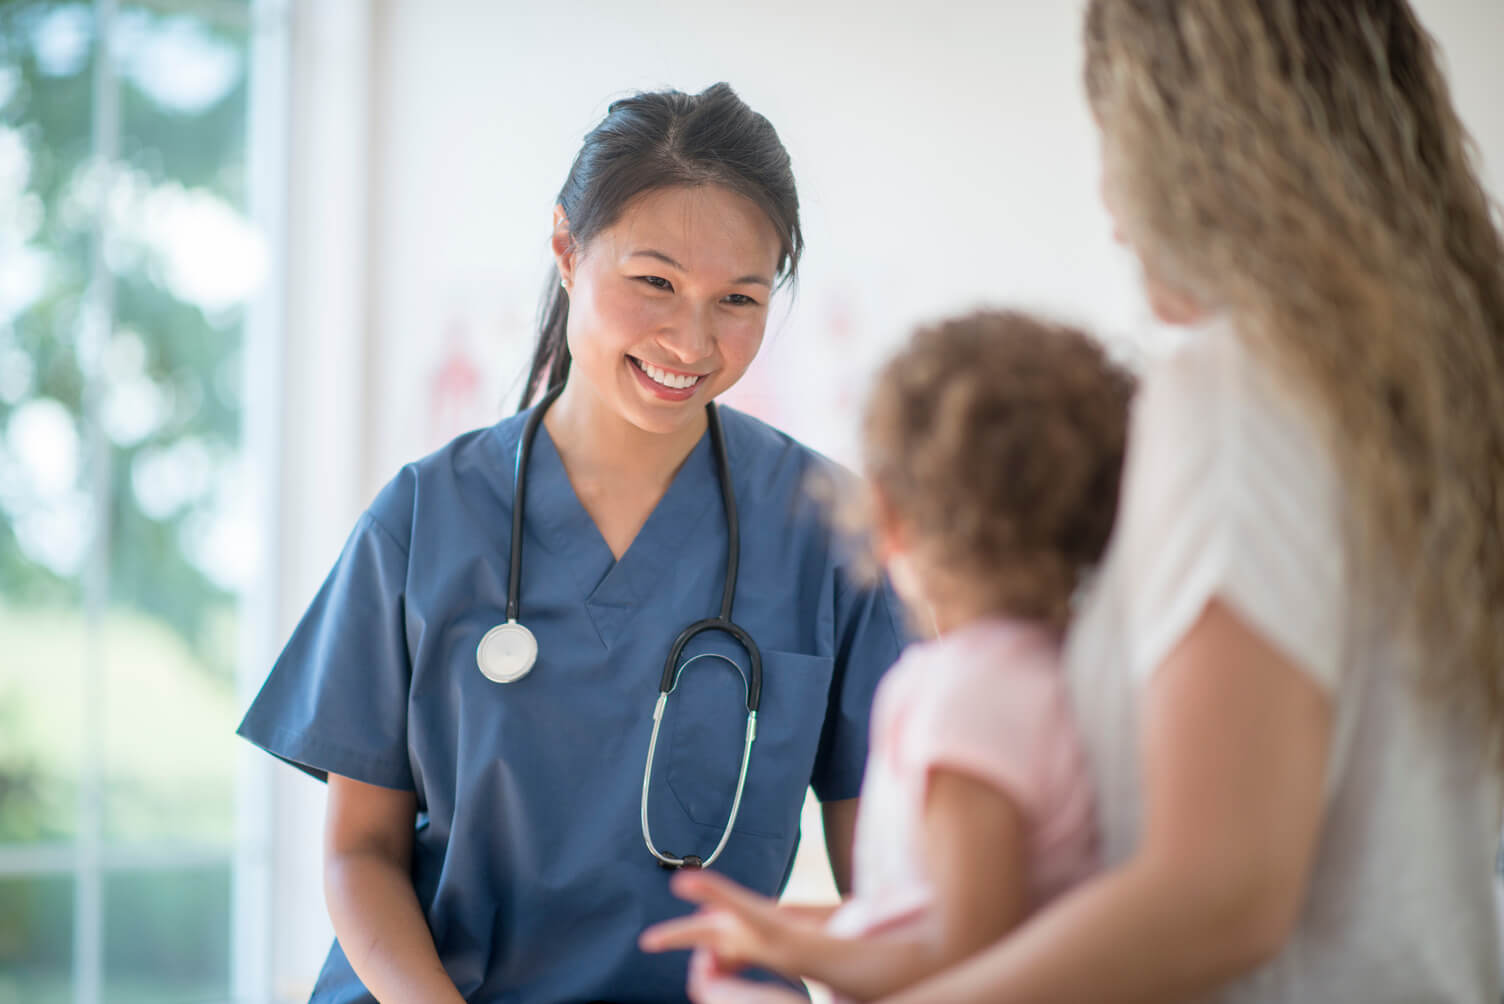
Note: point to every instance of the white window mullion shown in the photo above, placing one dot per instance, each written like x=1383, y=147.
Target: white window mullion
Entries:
x=96, y=321
x=251, y=923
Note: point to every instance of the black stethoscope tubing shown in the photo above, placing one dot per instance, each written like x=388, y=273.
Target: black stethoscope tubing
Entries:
x=722, y=622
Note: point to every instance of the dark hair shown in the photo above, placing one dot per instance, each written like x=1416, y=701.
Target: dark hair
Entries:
x=656, y=140
x=999, y=440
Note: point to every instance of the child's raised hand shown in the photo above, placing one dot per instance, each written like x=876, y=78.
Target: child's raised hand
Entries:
x=738, y=927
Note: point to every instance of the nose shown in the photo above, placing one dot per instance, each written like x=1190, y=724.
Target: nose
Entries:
x=690, y=338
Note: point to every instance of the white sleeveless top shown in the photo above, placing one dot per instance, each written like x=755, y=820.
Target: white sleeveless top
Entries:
x=1229, y=493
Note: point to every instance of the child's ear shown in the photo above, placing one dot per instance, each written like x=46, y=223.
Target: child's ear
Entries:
x=890, y=537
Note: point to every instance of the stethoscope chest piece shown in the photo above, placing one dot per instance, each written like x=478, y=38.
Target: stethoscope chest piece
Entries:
x=507, y=652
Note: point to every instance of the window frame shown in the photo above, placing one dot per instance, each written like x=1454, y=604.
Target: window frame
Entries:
x=89, y=859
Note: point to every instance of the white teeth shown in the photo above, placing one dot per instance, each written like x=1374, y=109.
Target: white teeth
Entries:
x=671, y=380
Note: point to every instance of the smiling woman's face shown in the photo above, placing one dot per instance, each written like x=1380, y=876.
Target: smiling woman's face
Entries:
x=667, y=306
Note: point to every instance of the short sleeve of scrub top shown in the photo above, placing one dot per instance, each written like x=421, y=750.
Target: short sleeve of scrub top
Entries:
x=867, y=638
x=351, y=642
x=528, y=857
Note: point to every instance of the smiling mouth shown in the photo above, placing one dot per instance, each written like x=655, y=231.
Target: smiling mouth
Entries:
x=665, y=378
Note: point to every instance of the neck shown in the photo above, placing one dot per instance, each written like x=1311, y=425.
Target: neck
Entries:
x=946, y=604
x=596, y=442
x=952, y=616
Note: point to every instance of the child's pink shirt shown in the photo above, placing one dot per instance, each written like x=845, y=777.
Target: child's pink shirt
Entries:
x=988, y=700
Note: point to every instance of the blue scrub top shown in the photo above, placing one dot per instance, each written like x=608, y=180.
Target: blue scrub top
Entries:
x=528, y=857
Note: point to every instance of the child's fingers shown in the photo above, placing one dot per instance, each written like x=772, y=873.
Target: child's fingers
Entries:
x=702, y=928
x=705, y=965
x=710, y=889
x=709, y=984
x=807, y=912
x=704, y=975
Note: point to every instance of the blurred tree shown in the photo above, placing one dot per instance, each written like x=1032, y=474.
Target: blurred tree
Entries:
x=182, y=259
x=171, y=407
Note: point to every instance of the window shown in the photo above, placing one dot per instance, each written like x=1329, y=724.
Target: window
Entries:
x=129, y=260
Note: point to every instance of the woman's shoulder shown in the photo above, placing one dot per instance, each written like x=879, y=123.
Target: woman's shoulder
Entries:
x=766, y=455
x=781, y=482
x=1197, y=378
x=472, y=467
x=1231, y=489
x=1214, y=386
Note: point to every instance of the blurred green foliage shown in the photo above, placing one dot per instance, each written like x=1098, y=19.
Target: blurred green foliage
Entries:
x=169, y=387
x=192, y=356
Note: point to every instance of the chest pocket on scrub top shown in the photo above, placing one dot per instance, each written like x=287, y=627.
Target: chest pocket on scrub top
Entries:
x=706, y=725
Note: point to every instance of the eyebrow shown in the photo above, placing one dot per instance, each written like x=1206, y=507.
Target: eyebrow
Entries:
x=758, y=280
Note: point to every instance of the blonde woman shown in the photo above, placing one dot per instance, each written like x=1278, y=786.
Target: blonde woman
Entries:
x=1290, y=672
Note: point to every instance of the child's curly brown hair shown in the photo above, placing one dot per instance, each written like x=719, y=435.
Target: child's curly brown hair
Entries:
x=996, y=440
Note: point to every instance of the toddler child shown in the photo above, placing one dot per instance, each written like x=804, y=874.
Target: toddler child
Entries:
x=993, y=446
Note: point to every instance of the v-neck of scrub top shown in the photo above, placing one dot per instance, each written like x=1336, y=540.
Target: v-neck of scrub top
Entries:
x=613, y=588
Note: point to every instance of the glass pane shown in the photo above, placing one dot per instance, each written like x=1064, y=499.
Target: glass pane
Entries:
x=45, y=96
x=187, y=259
x=183, y=259
x=167, y=935
x=36, y=939
x=40, y=723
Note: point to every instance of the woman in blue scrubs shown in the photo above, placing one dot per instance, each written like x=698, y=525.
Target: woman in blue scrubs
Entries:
x=485, y=840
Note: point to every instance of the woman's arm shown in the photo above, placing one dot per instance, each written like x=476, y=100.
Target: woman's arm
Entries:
x=840, y=834
x=368, y=842
x=1235, y=740
x=975, y=842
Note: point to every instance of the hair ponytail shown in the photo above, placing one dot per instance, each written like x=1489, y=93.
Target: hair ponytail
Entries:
x=551, y=355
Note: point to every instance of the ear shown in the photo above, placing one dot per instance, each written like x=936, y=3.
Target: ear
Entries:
x=890, y=537
x=565, y=251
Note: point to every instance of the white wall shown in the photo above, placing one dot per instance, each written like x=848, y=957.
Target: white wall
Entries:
x=940, y=163
x=945, y=158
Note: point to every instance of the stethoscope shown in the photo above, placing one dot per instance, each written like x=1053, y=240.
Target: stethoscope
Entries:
x=508, y=651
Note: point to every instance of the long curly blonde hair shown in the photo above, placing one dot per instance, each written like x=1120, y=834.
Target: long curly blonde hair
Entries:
x=1300, y=167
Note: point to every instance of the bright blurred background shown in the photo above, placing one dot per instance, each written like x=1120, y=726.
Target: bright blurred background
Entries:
x=256, y=254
